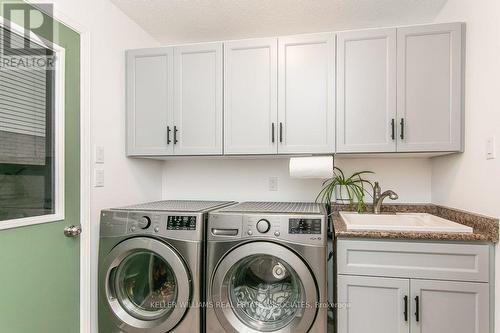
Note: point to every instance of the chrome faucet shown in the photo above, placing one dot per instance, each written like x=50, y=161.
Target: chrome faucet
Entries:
x=378, y=198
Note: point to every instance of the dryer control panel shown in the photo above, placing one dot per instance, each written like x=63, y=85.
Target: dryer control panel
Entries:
x=172, y=225
x=181, y=222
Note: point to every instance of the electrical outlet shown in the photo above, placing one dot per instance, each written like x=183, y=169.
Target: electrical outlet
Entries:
x=273, y=183
x=98, y=178
x=490, y=148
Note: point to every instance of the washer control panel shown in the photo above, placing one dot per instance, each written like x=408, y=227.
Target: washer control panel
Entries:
x=261, y=226
x=304, y=226
x=181, y=222
x=304, y=229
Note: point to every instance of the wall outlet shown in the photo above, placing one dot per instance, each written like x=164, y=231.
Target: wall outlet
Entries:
x=98, y=178
x=99, y=154
x=273, y=183
x=490, y=148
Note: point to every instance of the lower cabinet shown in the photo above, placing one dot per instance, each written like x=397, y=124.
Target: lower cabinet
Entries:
x=390, y=305
x=372, y=304
x=416, y=287
x=448, y=306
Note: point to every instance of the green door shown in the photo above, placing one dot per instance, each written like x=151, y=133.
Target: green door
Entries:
x=39, y=266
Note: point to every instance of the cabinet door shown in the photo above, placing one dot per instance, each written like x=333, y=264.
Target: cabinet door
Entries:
x=306, y=109
x=445, y=306
x=372, y=304
x=366, y=91
x=198, y=99
x=430, y=88
x=250, y=96
x=149, y=101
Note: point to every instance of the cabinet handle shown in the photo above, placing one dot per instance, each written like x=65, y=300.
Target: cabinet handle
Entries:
x=175, y=134
x=402, y=128
x=392, y=129
x=406, y=308
x=272, y=132
x=168, y=135
x=417, y=309
x=281, y=132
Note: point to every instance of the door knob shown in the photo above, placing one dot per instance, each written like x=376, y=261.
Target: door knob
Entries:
x=72, y=231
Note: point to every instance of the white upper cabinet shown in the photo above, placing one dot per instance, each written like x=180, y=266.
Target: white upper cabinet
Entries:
x=429, y=79
x=374, y=91
x=366, y=91
x=306, y=107
x=149, y=101
x=198, y=99
x=250, y=96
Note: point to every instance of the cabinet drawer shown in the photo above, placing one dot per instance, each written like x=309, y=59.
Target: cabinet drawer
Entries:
x=426, y=260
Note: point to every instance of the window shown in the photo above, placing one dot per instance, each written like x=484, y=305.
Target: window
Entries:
x=30, y=140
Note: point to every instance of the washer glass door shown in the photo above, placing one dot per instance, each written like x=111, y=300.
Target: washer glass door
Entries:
x=265, y=292
x=146, y=285
x=264, y=287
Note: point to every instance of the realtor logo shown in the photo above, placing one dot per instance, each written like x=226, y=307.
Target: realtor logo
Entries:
x=26, y=37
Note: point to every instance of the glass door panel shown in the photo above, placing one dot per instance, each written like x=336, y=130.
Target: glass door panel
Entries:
x=265, y=292
x=146, y=285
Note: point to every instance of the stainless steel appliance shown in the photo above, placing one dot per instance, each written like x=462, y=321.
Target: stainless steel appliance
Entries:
x=267, y=268
x=151, y=267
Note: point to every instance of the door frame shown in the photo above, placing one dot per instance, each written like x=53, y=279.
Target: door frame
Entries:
x=86, y=262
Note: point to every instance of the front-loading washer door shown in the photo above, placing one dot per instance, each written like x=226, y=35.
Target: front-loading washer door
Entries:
x=148, y=285
x=264, y=287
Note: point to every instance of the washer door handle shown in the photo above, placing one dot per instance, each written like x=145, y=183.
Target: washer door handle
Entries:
x=224, y=232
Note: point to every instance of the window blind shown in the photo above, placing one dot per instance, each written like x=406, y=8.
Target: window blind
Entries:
x=23, y=94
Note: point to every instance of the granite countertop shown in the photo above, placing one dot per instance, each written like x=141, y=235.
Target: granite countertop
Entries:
x=484, y=228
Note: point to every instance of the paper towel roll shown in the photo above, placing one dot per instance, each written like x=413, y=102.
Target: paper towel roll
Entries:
x=311, y=167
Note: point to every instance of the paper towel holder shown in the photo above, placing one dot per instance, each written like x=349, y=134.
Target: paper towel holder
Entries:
x=312, y=167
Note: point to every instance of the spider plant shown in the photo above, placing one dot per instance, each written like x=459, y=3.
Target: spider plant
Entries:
x=355, y=187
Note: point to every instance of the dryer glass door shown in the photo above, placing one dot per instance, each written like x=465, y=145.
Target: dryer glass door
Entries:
x=268, y=288
x=148, y=286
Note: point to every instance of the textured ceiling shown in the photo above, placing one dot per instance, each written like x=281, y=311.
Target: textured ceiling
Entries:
x=175, y=21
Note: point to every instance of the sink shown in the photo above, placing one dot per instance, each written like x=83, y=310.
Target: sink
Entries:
x=422, y=222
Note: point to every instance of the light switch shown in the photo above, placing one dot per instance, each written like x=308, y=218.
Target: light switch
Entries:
x=98, y=178
x=490, y=148
x=99, y=154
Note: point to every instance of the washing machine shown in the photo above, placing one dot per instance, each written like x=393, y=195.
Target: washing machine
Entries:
x=267, y=268
x=151, y=267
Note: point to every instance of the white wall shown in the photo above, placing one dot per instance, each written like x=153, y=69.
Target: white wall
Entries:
x=469, y=181
x=248, y=179
x=126, y=180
